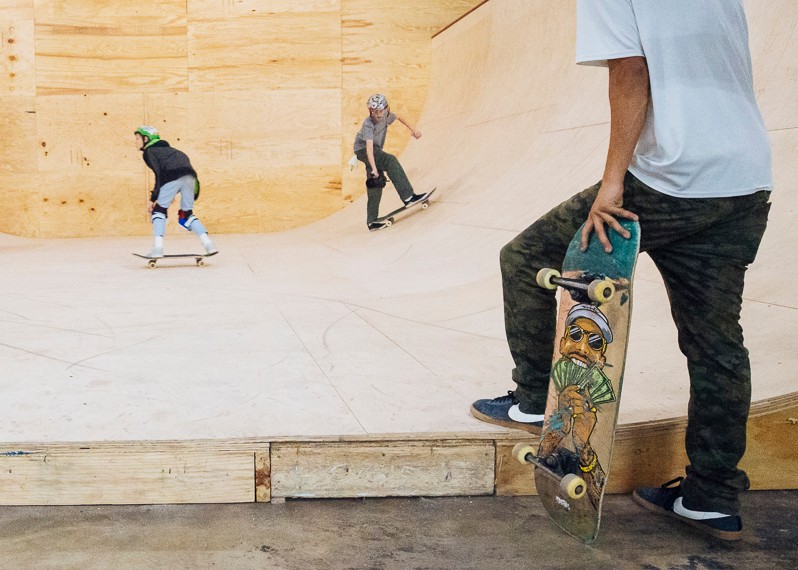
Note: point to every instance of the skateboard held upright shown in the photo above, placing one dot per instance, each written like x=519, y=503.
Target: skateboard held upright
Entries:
x=573, y=459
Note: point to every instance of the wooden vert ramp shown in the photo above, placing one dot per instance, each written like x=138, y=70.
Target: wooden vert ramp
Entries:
x=331, y=362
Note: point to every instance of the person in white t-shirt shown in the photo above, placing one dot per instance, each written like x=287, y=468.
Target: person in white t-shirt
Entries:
x=689, y=158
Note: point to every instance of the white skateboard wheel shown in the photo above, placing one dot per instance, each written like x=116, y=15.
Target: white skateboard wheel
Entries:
x=521, y=450
x=573, y=486
x=601, y=290
x=545, y=276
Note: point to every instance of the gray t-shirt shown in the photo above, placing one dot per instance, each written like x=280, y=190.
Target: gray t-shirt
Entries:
x=373, y=131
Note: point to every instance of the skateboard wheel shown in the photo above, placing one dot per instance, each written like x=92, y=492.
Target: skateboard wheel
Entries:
x=601, y=290
x=545, y=276
x=201, y=262
x=521, y=450
x=388, y=223
x=151, y=264
x=424, y=205
x=573, y=486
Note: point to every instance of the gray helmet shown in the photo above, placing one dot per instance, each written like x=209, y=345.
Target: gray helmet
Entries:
x=378, y=102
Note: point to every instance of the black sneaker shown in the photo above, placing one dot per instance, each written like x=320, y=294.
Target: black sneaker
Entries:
x=416, y=198
x=667, y=500
x=373, y=226
x=505, y=411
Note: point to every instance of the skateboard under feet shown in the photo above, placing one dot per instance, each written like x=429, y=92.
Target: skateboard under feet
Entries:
x=390, y=218
x=199, y=258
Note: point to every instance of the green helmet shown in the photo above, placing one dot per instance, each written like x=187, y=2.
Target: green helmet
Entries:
x=150, y=132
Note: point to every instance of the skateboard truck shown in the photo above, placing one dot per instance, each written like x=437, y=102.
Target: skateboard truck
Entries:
x=572, y=485
x=597, y=290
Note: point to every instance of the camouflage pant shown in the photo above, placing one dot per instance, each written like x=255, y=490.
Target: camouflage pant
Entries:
x=702, y=248
x=389, y=164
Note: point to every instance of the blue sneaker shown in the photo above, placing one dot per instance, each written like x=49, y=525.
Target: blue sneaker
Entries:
x=667, y=500
x=506, y=411
x=416, y=198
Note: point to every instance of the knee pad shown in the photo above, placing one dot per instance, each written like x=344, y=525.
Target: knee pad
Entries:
x=158, y=215
x=186, y=218
x=378, y=182
x=158, y=209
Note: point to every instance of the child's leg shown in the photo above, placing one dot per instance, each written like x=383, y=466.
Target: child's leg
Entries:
x=373, y=204
x=187, y=218
x=159, y=213
x=374, y=194
x=390, y=164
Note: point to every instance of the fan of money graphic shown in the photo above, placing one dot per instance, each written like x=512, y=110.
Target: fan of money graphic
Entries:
x=567, y=373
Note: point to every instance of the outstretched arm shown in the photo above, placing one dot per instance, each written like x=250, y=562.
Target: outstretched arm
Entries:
x=416, y=134
x=629, y=95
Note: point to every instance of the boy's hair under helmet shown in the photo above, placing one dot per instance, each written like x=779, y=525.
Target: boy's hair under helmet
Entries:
x=377, y=102
x=149, y=132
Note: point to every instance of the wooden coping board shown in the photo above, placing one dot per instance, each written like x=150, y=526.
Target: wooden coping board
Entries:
x=239, y=471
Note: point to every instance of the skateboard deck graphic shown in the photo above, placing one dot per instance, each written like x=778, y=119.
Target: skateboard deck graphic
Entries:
x=199, y=258
x=573, y=459
x=389, y=218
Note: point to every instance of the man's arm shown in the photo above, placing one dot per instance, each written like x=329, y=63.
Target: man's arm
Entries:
x=629, y=95
x=370, y=156
x=153, y=165
x=416, y=134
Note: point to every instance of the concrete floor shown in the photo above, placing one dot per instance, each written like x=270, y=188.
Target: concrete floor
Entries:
x=463, y=532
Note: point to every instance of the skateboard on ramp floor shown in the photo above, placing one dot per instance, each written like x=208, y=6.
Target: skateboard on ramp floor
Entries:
x=199, y=258
x=390, y=218
x=573, y=458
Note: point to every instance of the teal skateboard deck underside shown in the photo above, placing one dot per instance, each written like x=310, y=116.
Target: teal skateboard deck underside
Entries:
x=586, y=381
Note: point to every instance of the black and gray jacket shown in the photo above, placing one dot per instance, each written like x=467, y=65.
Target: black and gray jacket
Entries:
x=167, y=163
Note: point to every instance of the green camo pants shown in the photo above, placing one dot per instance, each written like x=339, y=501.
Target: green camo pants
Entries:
x=702, y=248
x=389, y=164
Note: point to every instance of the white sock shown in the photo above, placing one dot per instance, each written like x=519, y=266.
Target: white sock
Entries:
x=205, y=239
x=158, y=241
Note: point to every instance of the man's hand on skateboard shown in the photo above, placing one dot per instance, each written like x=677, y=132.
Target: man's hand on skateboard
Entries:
x=608, y=205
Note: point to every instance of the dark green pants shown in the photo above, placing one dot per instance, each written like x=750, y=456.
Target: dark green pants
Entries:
x=702, y=248
x=388, y=164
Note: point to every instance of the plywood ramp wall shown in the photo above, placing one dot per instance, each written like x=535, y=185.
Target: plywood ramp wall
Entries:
x=265, y=97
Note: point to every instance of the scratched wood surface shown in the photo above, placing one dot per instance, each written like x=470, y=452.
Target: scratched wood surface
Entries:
x=17, y=75
x=382, y=469
x=258, y=94
x=130, y=474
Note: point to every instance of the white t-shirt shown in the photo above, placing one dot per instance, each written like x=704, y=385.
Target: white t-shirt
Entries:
x=704, y=136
